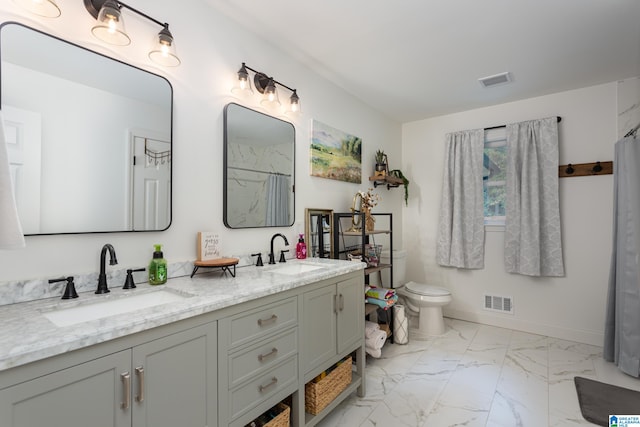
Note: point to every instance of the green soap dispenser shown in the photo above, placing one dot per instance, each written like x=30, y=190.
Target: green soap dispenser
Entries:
x=157, y=267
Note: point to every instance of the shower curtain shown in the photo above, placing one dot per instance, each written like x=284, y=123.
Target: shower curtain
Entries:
x=622, y=327
x=277, y=201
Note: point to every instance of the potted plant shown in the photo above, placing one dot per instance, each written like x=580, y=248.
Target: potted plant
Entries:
x=397, y=173
x=381, y=163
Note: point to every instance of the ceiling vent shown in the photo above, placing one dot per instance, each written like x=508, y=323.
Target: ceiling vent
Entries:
x=497, y=79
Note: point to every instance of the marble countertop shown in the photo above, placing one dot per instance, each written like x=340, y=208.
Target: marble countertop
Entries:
x=26, y=335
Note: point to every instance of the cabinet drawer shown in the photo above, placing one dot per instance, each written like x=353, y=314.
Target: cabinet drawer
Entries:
x=252, y=326
x=246, y=364
x=264, y=386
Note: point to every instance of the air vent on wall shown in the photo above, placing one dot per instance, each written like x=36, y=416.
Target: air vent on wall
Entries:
x=498, y=303
x=495, y=80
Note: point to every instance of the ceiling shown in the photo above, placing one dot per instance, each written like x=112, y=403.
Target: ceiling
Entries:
x=414, y=59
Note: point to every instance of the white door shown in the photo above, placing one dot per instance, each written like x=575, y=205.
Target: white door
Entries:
x=151, y=177
x=23, y=131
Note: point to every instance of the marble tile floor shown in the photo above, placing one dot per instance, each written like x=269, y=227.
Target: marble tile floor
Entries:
x=477, y=375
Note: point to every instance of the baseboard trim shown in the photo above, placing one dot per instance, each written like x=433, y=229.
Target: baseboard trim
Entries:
x=581, y=336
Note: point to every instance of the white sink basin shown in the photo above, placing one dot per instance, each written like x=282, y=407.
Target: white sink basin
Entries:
x=111, y=307
x=297, y=268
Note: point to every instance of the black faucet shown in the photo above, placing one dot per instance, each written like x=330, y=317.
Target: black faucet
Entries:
x=102, y=278
x=272, y=258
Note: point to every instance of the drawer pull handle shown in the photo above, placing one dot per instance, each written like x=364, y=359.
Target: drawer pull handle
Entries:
x=140, y=375
x=126, y=387
x=273, y=382
x=263, y=322
x=273, y=351
x=341, y=302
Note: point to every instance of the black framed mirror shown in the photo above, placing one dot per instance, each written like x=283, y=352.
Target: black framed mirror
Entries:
x=89, y=137
x=259, y=178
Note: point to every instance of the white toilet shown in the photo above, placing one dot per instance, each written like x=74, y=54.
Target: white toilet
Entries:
x=427, y=301
x=423, y=301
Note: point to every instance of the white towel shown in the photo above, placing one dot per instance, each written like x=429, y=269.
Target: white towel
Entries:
x=370, y=328
x=372, y=352
x=11, y=236
x=376, y=340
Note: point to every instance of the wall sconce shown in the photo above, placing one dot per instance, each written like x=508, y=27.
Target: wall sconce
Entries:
x=267, y=87
x=110, y=29
x=46, y=8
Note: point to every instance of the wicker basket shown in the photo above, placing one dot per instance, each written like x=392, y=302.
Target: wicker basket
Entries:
x=318, y=395
x=282, y=420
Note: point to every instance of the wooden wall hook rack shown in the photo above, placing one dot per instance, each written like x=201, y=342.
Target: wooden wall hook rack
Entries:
x=585, y=169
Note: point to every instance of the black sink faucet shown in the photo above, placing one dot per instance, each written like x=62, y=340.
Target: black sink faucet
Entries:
x=102, y=278
x=272, y=258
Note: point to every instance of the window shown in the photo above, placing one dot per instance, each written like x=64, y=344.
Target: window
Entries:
x=494, y=176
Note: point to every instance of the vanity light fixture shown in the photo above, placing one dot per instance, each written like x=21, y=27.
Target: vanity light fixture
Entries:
x=243, y=85
x=46, y=8
x=110, y=29
x=267, y=87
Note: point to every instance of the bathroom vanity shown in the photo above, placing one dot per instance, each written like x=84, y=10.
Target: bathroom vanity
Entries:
x=221, y=352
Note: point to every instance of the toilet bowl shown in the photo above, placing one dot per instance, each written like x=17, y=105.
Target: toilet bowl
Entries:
x=427, y=301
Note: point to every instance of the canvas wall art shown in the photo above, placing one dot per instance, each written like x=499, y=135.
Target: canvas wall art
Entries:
x=335, y=154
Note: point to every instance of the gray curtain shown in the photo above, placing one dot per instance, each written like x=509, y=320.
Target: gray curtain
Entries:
x=461, y=223
x=533, y=244
x=622, y=327
x=277, y=201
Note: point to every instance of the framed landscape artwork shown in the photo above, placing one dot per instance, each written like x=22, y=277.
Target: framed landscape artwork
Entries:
x=335, y=154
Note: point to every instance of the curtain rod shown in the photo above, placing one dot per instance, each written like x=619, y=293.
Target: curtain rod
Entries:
x=633, y=131
x=504, y=126
x=258, y=171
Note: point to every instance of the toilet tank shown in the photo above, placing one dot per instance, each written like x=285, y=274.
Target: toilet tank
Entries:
x=399, y=260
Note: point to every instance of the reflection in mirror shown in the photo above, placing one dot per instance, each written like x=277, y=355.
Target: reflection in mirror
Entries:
x=259, y=153
x=89, y=137
x=319, y=232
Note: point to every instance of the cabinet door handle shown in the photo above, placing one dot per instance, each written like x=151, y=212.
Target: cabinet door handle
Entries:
x=341, y=302
x=263, y=322
x=126, y=388
x=273, y=382
x=140, y=375
x=273, y=351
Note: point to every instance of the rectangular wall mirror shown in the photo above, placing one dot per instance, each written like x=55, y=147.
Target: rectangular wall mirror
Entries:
x=89, y=137
x=319, y=232
x=259, y=153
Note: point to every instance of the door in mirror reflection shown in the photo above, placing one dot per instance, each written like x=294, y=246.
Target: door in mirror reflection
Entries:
x=259, y=153
x=78, y=121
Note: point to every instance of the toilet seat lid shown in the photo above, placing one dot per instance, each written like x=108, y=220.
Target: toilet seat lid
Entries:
x=427, y=290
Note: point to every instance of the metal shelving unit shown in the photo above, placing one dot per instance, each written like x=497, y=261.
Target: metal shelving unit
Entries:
x=358, y=239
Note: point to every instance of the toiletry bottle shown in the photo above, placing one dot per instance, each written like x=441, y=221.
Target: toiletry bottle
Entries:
x=301, y=248
x=158, y=267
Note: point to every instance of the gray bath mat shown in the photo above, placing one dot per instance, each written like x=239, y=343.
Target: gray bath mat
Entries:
x=599, y=400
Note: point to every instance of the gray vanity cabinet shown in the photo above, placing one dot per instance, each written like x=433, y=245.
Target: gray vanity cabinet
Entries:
x=170, y=381
x=89, y=393
x=258, y=354
x=174, y=380
x=333, y=318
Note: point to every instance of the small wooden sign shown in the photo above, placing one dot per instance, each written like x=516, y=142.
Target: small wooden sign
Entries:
x=208, y=245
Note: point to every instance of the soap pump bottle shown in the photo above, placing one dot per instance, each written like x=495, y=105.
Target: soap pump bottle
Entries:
x=301, y=248
x=158, y=267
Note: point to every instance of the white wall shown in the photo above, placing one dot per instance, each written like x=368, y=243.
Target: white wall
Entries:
x=572, y=307
x=212, y=49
